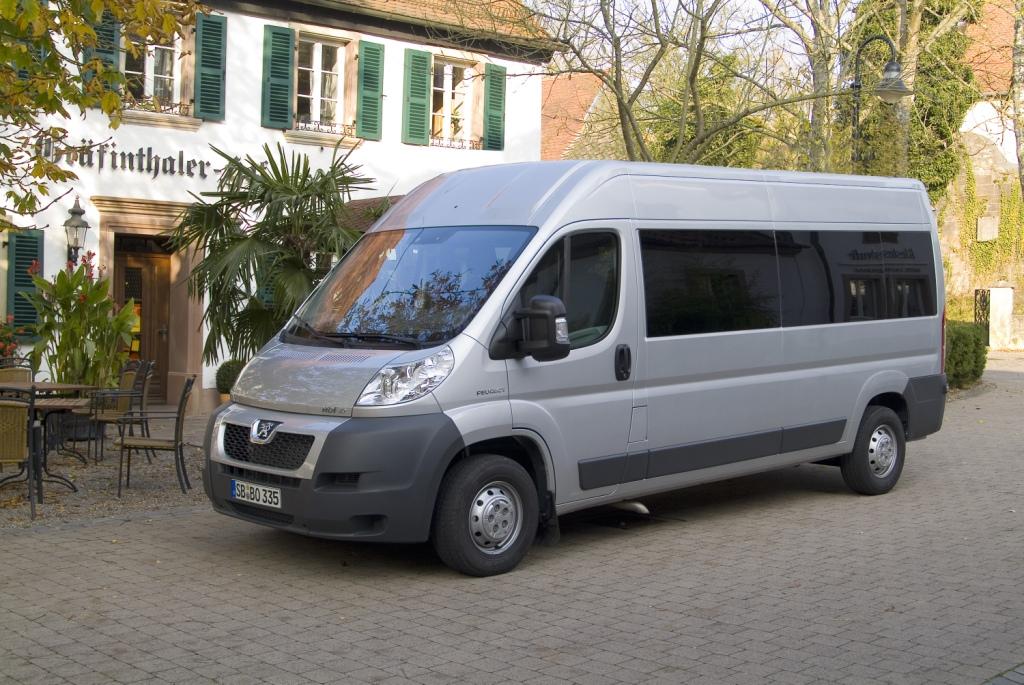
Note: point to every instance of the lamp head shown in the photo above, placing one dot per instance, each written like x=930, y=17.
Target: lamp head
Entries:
x=76, y=227
x=891, y=88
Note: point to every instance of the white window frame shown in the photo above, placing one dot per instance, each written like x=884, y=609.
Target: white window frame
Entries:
x=447, y=97
x=149, y=75
x=316, y=123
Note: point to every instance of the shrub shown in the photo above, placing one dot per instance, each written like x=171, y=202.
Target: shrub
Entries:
x=966, y=353
x=227, y=374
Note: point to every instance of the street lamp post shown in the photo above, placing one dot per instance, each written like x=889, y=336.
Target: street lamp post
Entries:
x=890, y=89
x=75, y=229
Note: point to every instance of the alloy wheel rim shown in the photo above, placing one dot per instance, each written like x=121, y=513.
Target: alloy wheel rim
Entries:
x=883, y=451
x=495, y=517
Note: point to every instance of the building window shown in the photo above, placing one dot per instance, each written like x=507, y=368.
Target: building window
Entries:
x=450, y=123
x=153, y=78
x=319, y=87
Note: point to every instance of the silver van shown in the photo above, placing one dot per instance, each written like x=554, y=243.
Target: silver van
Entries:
x=511, y=343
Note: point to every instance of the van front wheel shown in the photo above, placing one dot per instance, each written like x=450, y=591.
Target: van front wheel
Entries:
x=486, y=516
x=876, y=462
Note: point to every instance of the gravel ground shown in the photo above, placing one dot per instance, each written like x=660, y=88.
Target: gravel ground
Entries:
x=154, y=486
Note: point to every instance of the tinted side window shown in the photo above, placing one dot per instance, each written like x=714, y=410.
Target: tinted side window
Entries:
x=588, y=283
x=831, y=276
x=698, y=281
x=909, y=274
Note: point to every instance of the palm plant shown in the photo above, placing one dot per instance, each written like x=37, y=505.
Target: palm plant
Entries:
x=266, y=235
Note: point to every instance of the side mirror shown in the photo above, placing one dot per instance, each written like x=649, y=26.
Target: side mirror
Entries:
x=545, y=329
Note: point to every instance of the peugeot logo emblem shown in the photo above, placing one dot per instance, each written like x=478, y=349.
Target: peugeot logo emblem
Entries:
x=263, y=431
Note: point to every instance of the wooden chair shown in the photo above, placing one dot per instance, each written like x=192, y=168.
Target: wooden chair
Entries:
x=129, y=443
x=17, y=413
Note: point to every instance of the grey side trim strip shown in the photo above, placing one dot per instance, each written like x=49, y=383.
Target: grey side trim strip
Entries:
x=601, y=472
x=814, y=435
x=704, y=455
x=605, y=471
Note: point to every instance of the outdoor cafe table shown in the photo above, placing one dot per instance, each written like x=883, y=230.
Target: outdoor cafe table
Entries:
x=46, y=387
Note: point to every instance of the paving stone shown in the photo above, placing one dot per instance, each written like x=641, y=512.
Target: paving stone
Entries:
x=784, y=577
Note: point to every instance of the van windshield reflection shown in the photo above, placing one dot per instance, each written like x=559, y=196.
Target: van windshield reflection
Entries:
x=409, y=288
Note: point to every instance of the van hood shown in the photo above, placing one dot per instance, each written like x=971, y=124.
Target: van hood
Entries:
x=308, y=380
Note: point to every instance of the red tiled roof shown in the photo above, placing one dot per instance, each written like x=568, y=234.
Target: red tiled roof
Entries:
x=362, y=213
x=990, y=53
x=489, y=18
x=567, y=98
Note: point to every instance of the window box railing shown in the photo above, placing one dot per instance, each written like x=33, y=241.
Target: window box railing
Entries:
x=457, y=143
x=326, y=128
x=181, y=109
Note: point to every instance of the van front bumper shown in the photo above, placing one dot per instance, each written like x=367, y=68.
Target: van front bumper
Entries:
x=373, y=479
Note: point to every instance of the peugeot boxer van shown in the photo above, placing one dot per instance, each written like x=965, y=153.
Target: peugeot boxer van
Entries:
x=511, y=343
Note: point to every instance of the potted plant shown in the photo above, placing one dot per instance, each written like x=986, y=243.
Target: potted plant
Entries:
x=82, y=335
x=227, y=374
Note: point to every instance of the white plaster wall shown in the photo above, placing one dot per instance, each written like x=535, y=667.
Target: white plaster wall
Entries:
x=987, y=119
x=396, y=167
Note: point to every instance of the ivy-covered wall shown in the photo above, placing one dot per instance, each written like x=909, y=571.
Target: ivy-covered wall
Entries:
x=985, y=188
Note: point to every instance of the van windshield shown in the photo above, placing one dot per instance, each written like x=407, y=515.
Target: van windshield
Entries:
x=417, y=287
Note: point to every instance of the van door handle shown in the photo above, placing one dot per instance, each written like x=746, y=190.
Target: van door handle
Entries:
x=623, y=362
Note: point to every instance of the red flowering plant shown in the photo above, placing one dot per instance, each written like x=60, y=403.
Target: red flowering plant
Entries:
x=9, y=334
x=82, y=335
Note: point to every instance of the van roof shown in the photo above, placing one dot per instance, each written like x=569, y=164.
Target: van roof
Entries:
x=562, y=192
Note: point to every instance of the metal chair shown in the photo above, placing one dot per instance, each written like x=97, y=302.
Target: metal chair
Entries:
x=109, y=406
x=17, y=438
x=129, y=443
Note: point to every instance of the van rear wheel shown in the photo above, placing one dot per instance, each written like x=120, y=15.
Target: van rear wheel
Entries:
x=876, y=462
x=487, y=515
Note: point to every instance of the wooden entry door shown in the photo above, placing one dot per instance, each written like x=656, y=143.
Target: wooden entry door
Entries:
x=146, y=279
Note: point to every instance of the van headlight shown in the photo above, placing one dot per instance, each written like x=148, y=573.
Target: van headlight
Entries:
x=406, y=382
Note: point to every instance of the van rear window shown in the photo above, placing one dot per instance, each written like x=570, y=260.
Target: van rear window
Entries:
x=708, y=281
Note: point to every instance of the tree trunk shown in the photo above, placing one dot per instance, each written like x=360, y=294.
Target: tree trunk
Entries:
x=909, y=55
x=1017, y=88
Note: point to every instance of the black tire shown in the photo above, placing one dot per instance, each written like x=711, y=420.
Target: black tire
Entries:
x=469, y=547
x=871, y=469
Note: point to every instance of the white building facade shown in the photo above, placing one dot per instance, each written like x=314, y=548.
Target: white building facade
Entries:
x=413, y=95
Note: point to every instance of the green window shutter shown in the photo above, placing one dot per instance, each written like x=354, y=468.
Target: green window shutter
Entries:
x=369, y=98
x=35, y=54
x=494, y=107
x=211, y=53
x=278, y=76
x=416, y=100
x=23, y=248
x=108, y=42
x=108, y=46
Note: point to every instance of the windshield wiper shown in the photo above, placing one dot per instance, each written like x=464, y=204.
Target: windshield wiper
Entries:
x=314, y=333
x=383, y=337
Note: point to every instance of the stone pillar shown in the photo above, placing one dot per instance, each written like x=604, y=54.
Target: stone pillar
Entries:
x=1000, y=318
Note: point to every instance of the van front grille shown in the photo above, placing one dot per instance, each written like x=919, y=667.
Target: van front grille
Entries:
x=259, y=476
x=284, y=451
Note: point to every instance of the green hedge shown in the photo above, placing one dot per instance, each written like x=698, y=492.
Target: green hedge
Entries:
x=966, y=353
x=227, y=374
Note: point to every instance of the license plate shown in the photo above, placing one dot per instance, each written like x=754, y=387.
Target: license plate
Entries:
x=255, y=494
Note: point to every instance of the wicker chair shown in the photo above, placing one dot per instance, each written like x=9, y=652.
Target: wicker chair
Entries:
x=15, y=374
x=129, y=443
x=17, y=408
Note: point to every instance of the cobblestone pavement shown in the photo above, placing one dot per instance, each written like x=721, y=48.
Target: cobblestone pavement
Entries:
x=784, y=577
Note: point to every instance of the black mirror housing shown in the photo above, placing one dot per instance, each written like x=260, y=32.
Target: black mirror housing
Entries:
x=545, y=329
